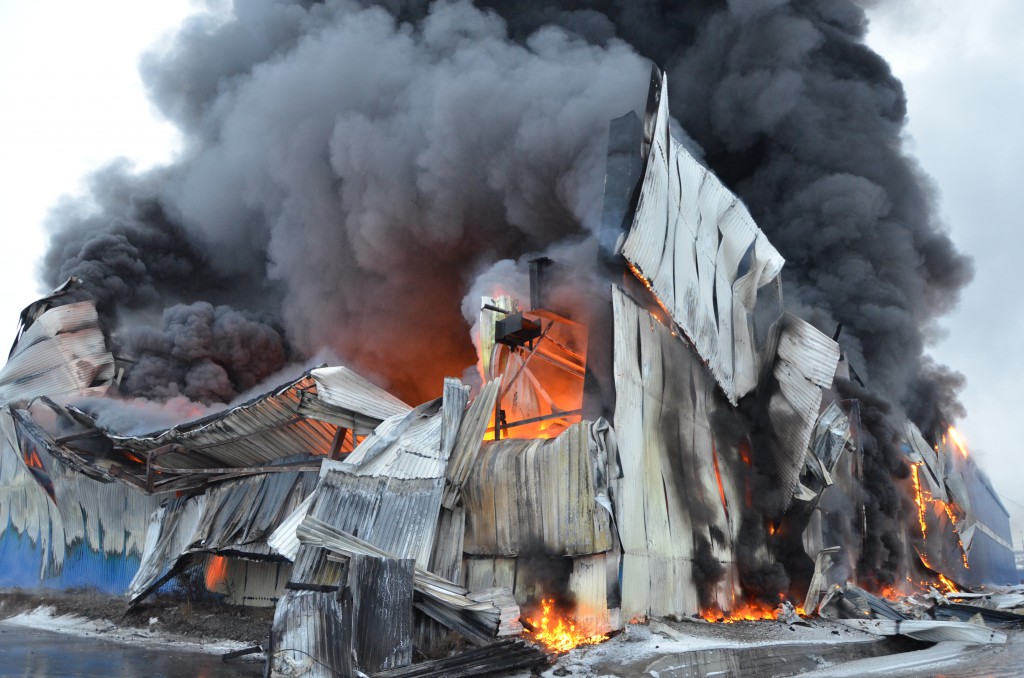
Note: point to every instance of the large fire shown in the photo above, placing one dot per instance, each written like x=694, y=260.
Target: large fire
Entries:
x=556, y=632
x=752, y=610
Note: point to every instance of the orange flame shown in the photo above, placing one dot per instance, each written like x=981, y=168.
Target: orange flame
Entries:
x=958, y=441
x=32, y=460
x=216, y=572
x=919, y=499
x=718, y=477
x=557, y=632
x=753, y=610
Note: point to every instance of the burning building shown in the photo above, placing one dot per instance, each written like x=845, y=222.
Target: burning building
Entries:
x=654, y=432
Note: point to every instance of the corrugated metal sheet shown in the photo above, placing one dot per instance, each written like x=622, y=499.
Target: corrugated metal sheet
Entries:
x=467, y=445
x=444, y=601
x=805, y=364
x=343, y=388
x=62, y=352
x=254, y=434
x=398, y=516
x=292, y=420
x=388, y=491
x=234, y=516
x=664, y=398
x=538, y=496
x=934, y=462
x=703, y=256
x=58, y=527
x=382, y=601
x=312, y=635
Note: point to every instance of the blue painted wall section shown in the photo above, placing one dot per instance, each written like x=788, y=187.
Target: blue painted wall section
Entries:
x=61, y=529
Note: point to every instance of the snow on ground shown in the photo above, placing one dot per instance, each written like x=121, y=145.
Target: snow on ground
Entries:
x=45, y=618
x=940, y=655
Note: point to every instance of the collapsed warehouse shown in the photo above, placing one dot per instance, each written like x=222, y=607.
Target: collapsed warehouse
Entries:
x=683, y=449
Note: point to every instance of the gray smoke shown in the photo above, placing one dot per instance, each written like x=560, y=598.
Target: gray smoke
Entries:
x=360, y=169
x=350, y=167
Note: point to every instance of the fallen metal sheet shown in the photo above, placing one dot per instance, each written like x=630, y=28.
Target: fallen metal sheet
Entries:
x=388, y=491
x=467, y=445
x=702, y=255
x=819, y=583
x=312, y=635
x=233, y=517
x=877, y=605
x=998, y=601
x=996, y=618
x=252, y=434
x=805, y=363
x=62, y=352
x=397, y=515
x=929, y=631
x=343, y=388
x=831, y=436
x=444, y=601
x=504, y=656
x=667, y=494
x=538, y=496
x=261, y=430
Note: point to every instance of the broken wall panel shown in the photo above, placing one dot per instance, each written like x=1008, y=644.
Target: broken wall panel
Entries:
x=398, y=516
x=59, y=528
x=62, y=352
x=442, y=600
x=699, y=250
x=234, y=517
x=253, y=434
x=805, y=363
x=312, y=635
x=536, y=496
x=388, y=491
x=345, y=389
x=250, y=583
x=669, y=499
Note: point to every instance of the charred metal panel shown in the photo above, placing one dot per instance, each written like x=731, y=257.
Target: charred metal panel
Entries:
x=382, y=593
x=62, y=352
x=312, y=635
x=234, y=517
x=467, y=445
x=537, y=496
x=668, y=498
x=703, y=256
x=446, y=602
x=805, y=363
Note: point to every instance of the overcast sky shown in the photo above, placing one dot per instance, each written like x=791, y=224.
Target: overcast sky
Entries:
x=73, y=100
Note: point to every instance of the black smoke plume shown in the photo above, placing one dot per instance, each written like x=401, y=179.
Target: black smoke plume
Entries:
x=350, y=167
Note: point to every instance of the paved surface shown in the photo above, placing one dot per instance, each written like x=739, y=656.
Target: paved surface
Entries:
x=30, y=652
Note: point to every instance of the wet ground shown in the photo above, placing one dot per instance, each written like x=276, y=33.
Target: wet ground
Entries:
x=31, y=652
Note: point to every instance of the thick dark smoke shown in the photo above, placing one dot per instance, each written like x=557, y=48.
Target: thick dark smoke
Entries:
x=349, y=169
